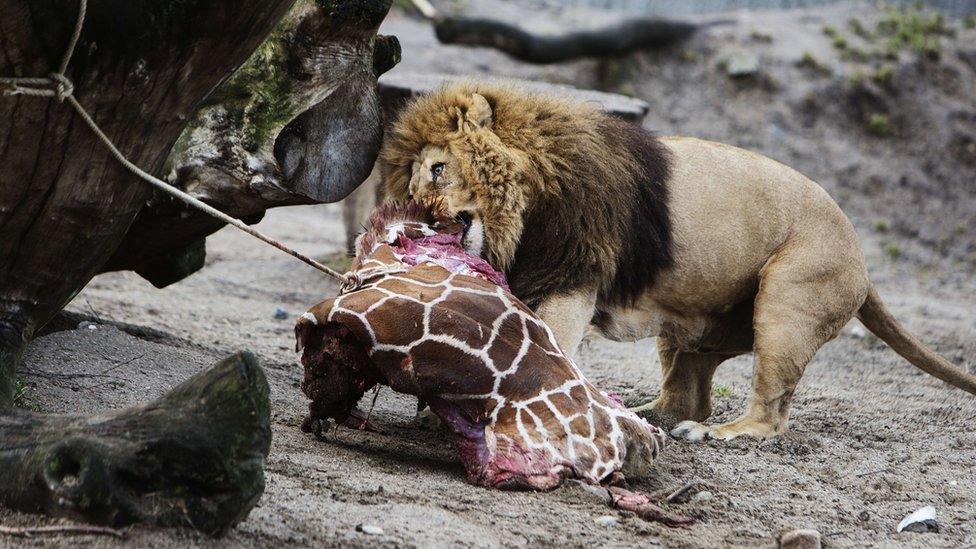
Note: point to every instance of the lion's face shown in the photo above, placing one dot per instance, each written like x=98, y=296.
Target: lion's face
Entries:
x=445, y=148
x=436, y=176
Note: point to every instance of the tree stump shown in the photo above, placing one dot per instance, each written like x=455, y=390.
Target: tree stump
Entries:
x=195, y=457
x=298, y=123
x=141, y=67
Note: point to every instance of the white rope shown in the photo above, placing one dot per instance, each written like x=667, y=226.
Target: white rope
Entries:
x=58, y=86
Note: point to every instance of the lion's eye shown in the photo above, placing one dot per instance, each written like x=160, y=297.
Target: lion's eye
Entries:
x=437, y=169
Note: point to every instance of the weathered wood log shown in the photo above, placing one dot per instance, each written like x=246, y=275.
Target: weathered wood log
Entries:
x=299, y=123
x=141, y=68
x=613, y=40
x=195, y=457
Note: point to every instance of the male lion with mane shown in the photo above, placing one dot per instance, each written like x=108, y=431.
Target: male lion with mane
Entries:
x=715, y=250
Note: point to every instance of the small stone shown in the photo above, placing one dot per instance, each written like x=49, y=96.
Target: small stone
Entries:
x=369, y=529
x=864, y=516
x=920, y=521
x=800, y=539
x=858, y=331
x=704, y=495
x=280, y=314
x=740, y=64
x=606, y=520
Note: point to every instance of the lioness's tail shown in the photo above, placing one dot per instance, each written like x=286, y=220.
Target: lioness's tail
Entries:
x=878, y=319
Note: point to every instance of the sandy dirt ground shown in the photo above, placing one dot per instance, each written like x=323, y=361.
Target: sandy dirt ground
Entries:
x=871, y=438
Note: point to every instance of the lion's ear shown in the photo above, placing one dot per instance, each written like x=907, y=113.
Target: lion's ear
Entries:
x=479, y=113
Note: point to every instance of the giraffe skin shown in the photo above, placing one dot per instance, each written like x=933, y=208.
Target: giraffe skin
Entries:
x=432, y=321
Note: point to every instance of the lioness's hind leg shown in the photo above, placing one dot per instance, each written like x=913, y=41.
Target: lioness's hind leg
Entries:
x=686, y=386
x=803, y=301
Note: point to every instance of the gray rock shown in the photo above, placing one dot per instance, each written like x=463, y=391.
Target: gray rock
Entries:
x=742, y=63
x=801, y=539
x=704, y=495
x=369, y=529
x=280, y=314
x=606, y=520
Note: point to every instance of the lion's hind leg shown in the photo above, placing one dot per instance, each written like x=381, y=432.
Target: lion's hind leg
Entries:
x=804, y=300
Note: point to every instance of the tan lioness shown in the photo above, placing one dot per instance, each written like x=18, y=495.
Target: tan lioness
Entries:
x=715, y=250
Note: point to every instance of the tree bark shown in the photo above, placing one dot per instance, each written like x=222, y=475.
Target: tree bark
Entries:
x=299, y=123
x=195, y=457
x=140, y=68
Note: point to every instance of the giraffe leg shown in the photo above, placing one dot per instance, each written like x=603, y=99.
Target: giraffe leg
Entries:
x=803, y=301
x=686, y=385
x=568, y=316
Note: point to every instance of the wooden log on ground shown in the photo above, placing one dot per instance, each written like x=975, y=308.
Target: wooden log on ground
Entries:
x=613, y=40
x=299, y=123
x=141, y=68
x=195, y=457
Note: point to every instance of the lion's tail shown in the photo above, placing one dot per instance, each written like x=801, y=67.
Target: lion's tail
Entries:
x=879, y=320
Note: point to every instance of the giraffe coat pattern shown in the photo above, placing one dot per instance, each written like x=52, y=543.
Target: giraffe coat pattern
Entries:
x=523, y=415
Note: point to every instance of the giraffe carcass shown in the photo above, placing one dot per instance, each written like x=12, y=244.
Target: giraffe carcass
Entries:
x=433, y=321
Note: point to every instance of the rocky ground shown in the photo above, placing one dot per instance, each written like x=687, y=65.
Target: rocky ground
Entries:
x=872, y=438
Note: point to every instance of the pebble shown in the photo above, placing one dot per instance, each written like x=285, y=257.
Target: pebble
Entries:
x=741, y=64
x=801, y=539
x=704, y=495
x=369, y=529
x=280, y=314
x=606, y=520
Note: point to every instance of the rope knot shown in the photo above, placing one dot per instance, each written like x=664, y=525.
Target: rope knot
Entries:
x=63, y=85
x=350, y=283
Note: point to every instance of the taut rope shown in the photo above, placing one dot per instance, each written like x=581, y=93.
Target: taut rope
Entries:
x=58, y=86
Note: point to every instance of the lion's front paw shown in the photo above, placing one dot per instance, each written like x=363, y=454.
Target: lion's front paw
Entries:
x=693, y=431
